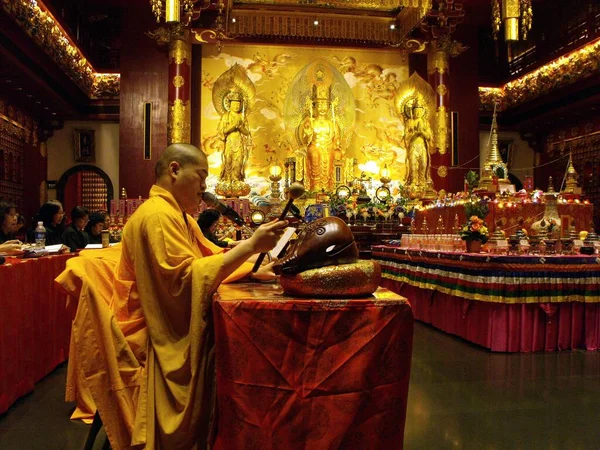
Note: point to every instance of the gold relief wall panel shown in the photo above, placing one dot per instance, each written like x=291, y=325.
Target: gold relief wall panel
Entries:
x=373, y=77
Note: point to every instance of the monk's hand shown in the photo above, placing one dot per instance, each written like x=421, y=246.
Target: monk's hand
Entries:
x=266, y=236
x=264, y=273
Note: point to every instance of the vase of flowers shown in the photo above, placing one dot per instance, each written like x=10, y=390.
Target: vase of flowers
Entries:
x=474, y=232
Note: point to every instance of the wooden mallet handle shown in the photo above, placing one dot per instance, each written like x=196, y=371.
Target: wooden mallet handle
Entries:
x=296, y=190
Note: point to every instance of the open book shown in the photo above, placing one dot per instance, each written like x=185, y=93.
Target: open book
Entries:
x=285, y=238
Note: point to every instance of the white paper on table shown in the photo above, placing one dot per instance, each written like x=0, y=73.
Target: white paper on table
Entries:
x=50, y=248
x=284, y=239
x=91, y=246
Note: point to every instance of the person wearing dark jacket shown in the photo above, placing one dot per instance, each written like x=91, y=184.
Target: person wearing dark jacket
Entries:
x=208, y=221
x=95, y=226
x=52, y=214
x=74, y=236
x=8, y=222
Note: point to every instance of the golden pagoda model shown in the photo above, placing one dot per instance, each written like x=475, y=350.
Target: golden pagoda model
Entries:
x=550, y=224
x=571, y=190
x=494, y=166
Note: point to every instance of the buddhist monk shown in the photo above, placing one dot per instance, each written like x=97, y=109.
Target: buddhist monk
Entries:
x=149, y=362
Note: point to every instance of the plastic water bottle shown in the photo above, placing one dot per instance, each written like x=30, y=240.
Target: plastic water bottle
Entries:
x=40, y=235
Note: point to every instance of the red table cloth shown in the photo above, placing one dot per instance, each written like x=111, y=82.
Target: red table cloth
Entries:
x=34, y=325
x=304, y=373
x=504, y=303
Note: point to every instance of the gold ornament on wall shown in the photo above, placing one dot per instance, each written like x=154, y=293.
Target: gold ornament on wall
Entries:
x=178, y=81
x=178, y=126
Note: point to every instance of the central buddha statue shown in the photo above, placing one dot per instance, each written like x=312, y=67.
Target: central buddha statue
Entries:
x=320, y=132
x=319, y=115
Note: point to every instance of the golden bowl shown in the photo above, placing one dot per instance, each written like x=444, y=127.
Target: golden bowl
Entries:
x=359, y=279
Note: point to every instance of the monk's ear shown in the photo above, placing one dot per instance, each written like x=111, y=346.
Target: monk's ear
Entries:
x=174, y=168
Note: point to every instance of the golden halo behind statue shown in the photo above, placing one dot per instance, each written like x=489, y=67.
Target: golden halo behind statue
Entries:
x=319, y=78
x=415, y=90
x=231, y=83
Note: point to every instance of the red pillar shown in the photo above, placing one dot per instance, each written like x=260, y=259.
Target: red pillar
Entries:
x=438, y=65
x=180, y=81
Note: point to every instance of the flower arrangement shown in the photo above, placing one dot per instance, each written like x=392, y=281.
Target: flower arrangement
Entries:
x=475, y=230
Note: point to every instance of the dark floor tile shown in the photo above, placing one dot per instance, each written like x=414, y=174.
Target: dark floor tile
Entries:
x=40, y=420
x=461, y=397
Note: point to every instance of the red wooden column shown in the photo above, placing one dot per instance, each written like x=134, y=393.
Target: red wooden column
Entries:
x=438, y=65
x=180, y=82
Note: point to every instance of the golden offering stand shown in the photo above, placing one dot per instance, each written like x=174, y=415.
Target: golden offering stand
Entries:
x=571, y=191
x=494, y=167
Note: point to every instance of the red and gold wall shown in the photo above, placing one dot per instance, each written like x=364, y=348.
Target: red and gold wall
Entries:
x=23, y=159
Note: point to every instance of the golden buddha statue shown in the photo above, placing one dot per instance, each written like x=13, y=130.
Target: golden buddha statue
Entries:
x=414, y=104
x=321, y=134
x=234, y=132
x=232, y=94
x=418, y=139
x=319, y=114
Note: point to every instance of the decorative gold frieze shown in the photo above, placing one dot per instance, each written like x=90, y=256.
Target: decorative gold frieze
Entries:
x=35, y=19
x=377, y=5
x=490, y=96
x=106, y=85
x=563, y=71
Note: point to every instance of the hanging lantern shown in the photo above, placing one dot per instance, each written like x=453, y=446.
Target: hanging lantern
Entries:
x=511, y=13
x=510, y=16
x=172, y=11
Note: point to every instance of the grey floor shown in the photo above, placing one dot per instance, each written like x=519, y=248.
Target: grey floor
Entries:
x=461, y=397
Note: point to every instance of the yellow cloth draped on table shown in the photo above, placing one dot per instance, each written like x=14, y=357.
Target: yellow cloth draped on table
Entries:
x=142, y=336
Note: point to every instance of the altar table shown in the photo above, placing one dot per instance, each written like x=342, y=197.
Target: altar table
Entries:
x=34, y=326
x=529, y=213
x=303, y=373
x=504, y=303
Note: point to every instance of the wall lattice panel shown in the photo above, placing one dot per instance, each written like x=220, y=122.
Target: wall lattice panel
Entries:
x=12, y=155
x=94, y=194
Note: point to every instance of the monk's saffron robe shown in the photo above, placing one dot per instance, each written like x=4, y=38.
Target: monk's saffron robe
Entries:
x=147, y=352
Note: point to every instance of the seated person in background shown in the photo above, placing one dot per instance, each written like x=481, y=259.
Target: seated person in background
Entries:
x=21, y=233
x=208, y=222
x=74, y=236
x=8, y=244
x=106, y=219
x=8, y=224
x=95, y=226
x=51, y=214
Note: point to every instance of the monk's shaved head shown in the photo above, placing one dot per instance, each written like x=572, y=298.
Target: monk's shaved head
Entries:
x=182, y=153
